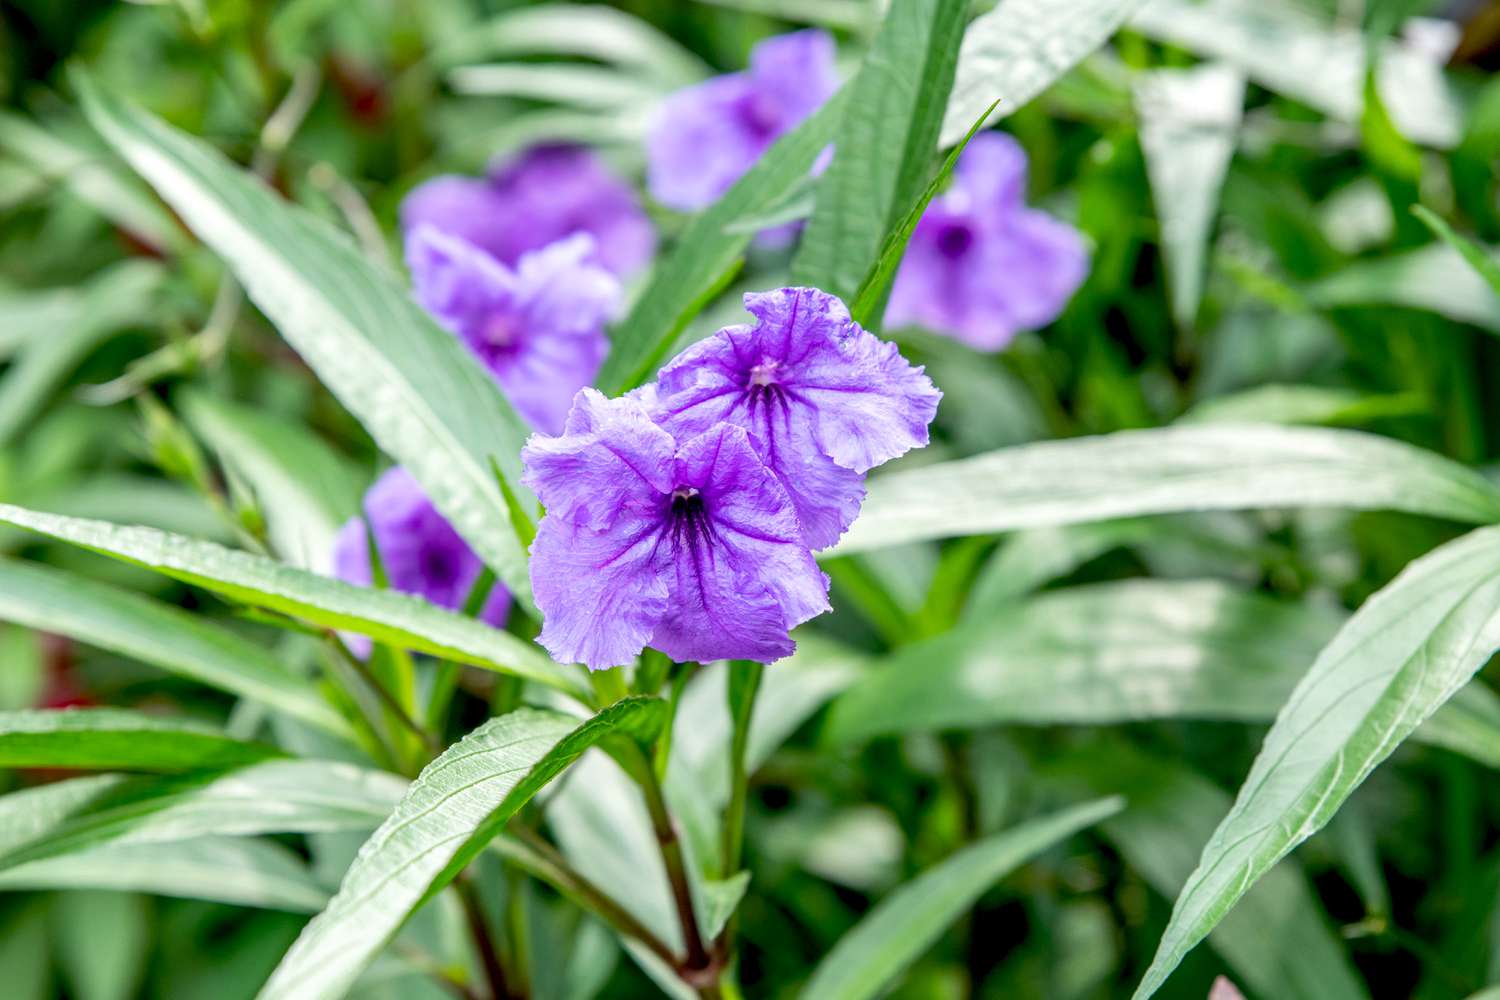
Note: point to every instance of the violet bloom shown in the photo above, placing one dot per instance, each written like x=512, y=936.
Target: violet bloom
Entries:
x=539, y=328
x=537, y=198
x=689, y=545
x=706, y=136
x=981, y=266
x=419, y=551
x=824, y=400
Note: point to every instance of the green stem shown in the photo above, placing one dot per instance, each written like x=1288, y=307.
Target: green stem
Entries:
x=389, y=701
x=671, y=856
x=484, y=942
x=744, y=685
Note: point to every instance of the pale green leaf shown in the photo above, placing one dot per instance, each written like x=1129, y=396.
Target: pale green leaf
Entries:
x=571, y=85
x=883, y=150
x=384, y=615
x=1433, y=278
x=1189, y=123
x=721, y=899
x=1167, y=470
x=233, y=870
x=1480, y=259
x=118, y=739
x=453, y=809
x=53, y=600
x=709, y=249
x=304, y=488
x=1404, y=653
x=102, y=941
x=419, y=392
x=906, y=923
x=1017, y=50
x=1303, y=404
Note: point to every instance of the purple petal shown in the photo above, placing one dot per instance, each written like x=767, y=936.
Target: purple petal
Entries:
x=793, y=75
x=602, y=592
x=990, y=175
x=743, y=576
x=610, y=461
x=465, y=207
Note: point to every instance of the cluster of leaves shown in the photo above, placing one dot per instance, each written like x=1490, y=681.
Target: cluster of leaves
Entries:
x=1176, y=576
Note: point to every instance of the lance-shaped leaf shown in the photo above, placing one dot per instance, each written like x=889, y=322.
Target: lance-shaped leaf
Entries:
x=1402, y=655
x=384, y=615
x=709, y=250
x=909, y=920
x=1017, y=50
x=884, y=148
x=123, y=622
x=417, y=390
x=1162, y=471
x=454, y=808
x=120, y=740
x=237, y=870
x=1189, y=123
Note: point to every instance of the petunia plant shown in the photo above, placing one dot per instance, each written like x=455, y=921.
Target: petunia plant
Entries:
x=687, y=502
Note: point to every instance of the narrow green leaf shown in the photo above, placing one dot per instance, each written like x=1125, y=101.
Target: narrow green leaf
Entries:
x=1287, y=48
x=721, y=899
x=1017, y=50
x=869, y=300
x=1154, y=649
x=709, y=250
x=1277, y=941
x=1189, y=123
x=120, y=740
x=906, y=923
x=127, y=623
x=305, y=489
x=1167, y=470
x=103, y=939
x=1303, y=404
x=275, y=796
x=883, y=150
x=1481, y=260
x=423, y=397
x=1401, y=656
x=454, y=808
x=234, y=870
x=384, y=615
x=1433, y=278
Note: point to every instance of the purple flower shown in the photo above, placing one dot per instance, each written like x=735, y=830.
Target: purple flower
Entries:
x=539, y=329
x=537, y=198
x=823, y=400
x=690, y=547
x=419, y=551
x=981, y=266
x=706, y=136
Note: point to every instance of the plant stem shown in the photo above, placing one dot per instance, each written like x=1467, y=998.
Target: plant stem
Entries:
x=529, y=851
x=744, y=685
x=393, y=706
x=484, y=943
x=671, y=856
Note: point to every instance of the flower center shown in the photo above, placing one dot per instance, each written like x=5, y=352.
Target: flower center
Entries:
x=438, y=566
x=764, y=374
x=954, y=239
x=689, y=517
x=500, y=330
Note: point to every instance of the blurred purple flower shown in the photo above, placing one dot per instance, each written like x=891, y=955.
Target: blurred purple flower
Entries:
x=823, y=400
x=537, y=198
x=419, y=551
x=706, y=136
x=538, y=328
x=981, y=266
x=693, y=548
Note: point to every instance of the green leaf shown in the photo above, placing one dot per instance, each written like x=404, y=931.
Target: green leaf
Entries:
x=883, y=149
x=1277, y=941
x=1481, y=260
x=1189, y=123
x=1026, y=560
x=277, y=796
x=102, y=941
x=869, y=300
x=414, y=386
x=1017, y=50
x=570, y=85
x=1303, y=404
x=123, y=622
x=1153, y=649
x=384, y=615
x=906, y=923
x=1402, y=655
x=1433, y=278
x=453, y=809
x=709, y=250
x=721, y=899
x=234, y=870
x=1161, y=471
x=1286, y=48
x=117, y=739
x=119, y=297
x=305, y=489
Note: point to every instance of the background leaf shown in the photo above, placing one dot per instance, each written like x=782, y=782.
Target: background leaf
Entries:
x=120, y=740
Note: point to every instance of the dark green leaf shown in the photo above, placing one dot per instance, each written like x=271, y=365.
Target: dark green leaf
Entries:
x=116, y=739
